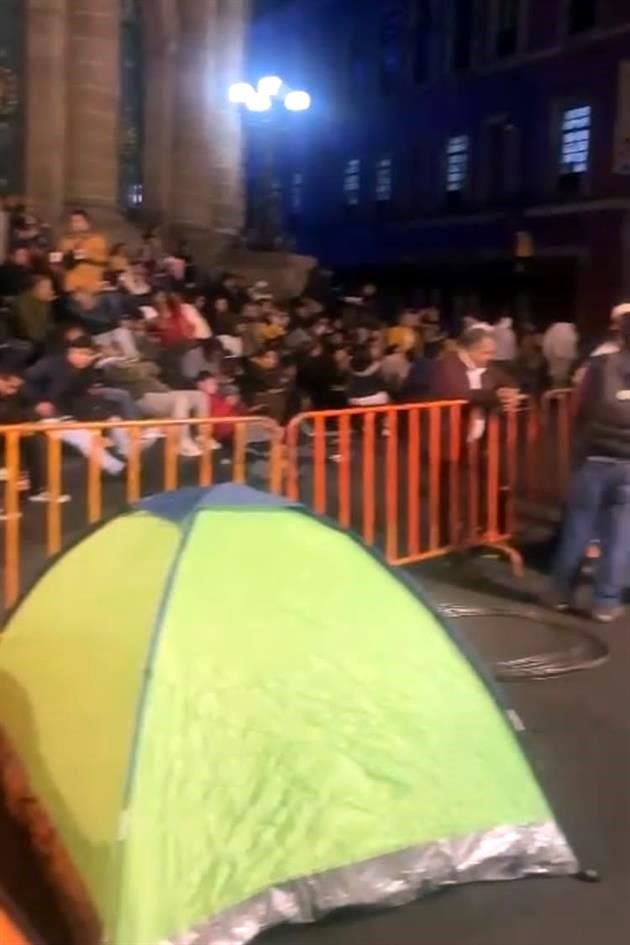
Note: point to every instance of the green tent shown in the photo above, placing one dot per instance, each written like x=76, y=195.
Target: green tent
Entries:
x=235, y=715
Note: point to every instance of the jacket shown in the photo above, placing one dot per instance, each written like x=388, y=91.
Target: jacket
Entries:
x=449, y=381
x=604, y=408
x=366, y=383
x=55, y=380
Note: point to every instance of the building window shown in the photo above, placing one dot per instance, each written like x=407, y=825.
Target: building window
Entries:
x=383, y=182
x=575, y=140
x=462, y=34
x=457, y=158
x=297, y=192
x=131, y=118
x=391, y=53
x=502, y=159
x=507, y=28
x=582, y=16
x=352, y=182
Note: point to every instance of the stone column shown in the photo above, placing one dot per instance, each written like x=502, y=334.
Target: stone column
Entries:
x=193, y=132
x=161, y=39
x=45, y=130
x=93, y=64
x=228, y=199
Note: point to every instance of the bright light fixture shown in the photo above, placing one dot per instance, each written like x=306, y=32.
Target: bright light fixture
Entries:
x=258, y=103
x=297, y=101
x=270, y=85
x=241, y=93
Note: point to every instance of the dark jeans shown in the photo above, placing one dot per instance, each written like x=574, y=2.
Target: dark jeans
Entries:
x=599, y=501
x=33, y=459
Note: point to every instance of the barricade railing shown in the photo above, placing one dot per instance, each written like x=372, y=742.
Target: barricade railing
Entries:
x=142, y=472
x=557, y=413
x=421, y=480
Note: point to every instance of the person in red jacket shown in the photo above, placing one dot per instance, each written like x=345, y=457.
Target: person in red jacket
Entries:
x=225, y=402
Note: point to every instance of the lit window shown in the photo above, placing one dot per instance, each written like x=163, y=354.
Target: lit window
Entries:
x=352, y=182
x=135, y=195
x=575, y=140
x=383, y=184
x=297, y=189
x=457, y=155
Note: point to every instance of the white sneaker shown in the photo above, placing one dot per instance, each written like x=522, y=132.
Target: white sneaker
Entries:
x=9, y=518
x=190, y=450
x=45, y=497
x=211, y=444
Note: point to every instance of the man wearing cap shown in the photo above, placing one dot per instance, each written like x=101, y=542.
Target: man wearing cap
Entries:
x=599, y=493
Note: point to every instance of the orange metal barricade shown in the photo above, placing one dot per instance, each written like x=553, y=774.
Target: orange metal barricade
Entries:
x=9, y=932
x=405, y=477
x=556, y=417
x=170, y=473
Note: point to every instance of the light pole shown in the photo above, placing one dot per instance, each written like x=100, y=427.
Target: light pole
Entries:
x=262, y=100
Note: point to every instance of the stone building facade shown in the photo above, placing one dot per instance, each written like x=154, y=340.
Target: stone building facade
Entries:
x=92, y=103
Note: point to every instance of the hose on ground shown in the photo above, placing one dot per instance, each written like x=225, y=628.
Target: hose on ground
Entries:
x=582, y=651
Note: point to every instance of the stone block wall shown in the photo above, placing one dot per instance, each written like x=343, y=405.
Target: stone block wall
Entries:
x=193, y=148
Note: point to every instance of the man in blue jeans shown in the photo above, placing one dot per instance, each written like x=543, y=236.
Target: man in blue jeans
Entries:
x=599, y=494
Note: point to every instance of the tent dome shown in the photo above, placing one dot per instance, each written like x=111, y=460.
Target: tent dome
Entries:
x=232, y=714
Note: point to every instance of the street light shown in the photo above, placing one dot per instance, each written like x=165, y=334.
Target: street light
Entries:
x=240, y=93
x=258, y=102
x=297, y=101
x=270, y=85
x=261, y=98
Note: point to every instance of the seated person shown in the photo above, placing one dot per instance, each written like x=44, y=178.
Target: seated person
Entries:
x=156, y=399
x=224, y=401
x=62, y=385
x=181, y=331
x=33, y=314
x=15, y=408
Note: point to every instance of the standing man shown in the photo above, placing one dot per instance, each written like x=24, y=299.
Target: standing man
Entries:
x=85, y=254
x=599, y=494
x=468, y=374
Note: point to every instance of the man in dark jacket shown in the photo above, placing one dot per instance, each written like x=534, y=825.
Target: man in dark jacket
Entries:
x=60, y=384
x=468, y=375
x=63, y=385
x=599, y=493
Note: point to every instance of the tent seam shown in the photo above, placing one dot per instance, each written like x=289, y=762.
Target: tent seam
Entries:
x=147, y=675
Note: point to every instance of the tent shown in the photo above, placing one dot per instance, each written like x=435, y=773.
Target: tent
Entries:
x=233, y=715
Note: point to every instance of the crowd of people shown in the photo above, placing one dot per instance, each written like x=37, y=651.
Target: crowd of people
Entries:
x=93, y=332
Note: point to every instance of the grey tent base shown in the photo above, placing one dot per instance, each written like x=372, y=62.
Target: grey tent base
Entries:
x=504, y=853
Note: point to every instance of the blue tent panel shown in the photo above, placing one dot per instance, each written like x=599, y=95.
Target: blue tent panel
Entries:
x=177, y=506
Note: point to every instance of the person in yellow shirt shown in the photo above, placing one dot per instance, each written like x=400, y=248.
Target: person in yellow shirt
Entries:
x=85, y=255
x=406, y=335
